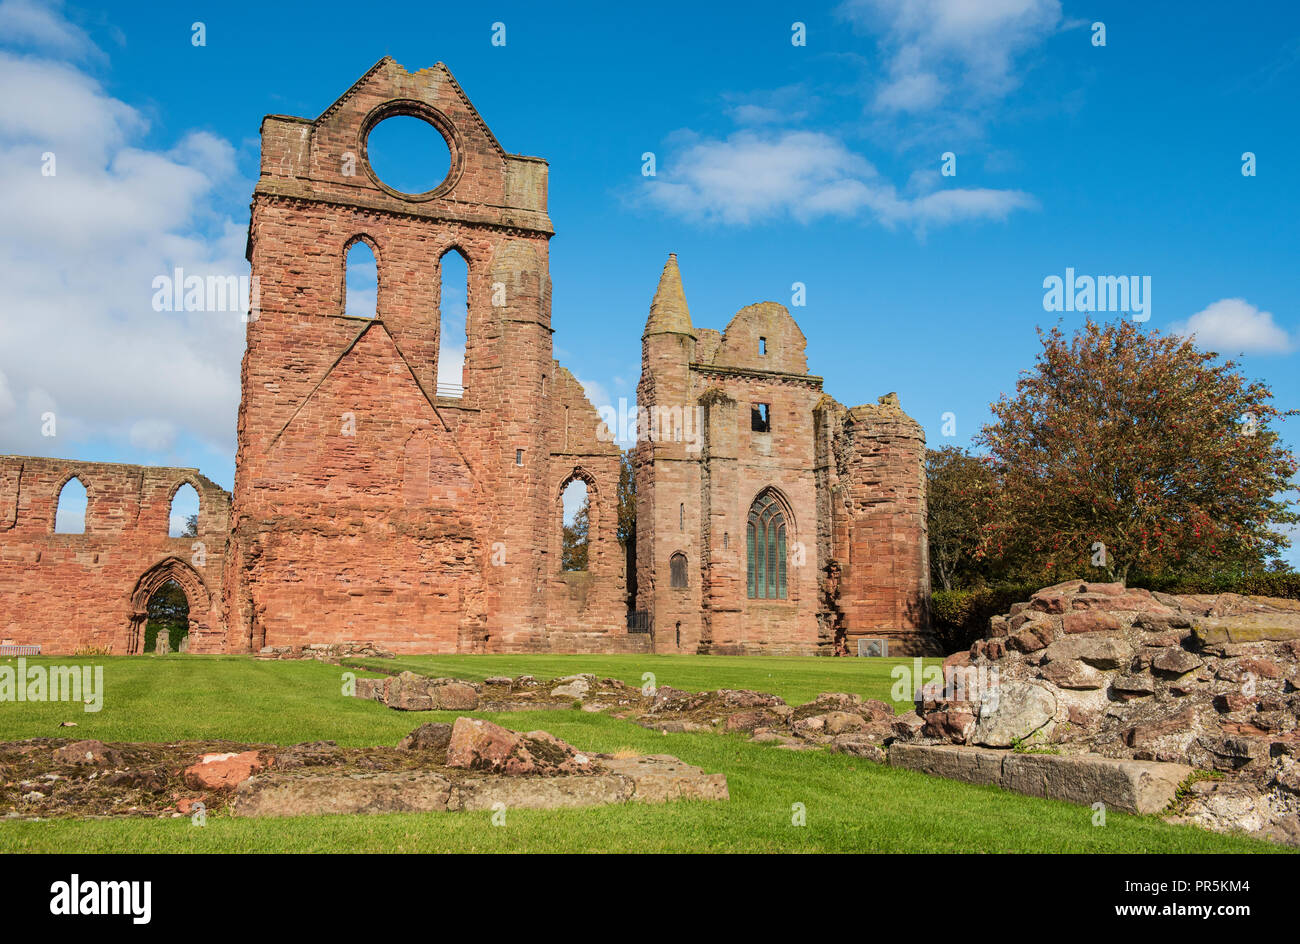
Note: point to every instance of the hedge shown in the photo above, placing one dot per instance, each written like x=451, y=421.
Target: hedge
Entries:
x=959, y=617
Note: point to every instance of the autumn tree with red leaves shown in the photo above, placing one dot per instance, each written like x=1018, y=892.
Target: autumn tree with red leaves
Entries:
x=1136, y=453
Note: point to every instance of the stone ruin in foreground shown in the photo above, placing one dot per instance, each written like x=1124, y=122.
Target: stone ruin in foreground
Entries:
x=471, y=764
x=1192, y=699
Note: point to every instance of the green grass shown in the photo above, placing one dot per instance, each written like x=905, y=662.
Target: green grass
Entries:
x=851, y=805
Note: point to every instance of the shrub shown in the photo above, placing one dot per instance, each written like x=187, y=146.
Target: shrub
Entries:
x=959, y=617
x=1285, y=584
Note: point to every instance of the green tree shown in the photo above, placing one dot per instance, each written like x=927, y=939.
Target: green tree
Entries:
x=168, y=612
x=626, y=499
x=575, y=540
x=960, y=499
x=1136, y=452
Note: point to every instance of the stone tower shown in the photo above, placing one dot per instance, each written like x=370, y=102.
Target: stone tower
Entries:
x=770, y=519
x=667, y=474
x=731, y=427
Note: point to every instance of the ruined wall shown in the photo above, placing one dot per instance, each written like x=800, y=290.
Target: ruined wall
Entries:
x=695, y=491
x=850, y=484
x=760, y=359
x=878, y=529
x=669, y=512
x=67, y=592
x=585, y=610
x=366, y=505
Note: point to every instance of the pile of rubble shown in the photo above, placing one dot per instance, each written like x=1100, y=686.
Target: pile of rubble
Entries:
x=1207, y=681
x=409, y=691
x=1144, y=697
x=468, y=764
x=326, y=652
x=842, y=722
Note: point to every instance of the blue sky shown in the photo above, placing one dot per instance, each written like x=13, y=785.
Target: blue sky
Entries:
x=775, y=164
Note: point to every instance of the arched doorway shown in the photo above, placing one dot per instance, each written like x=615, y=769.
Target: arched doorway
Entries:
x=198, y=602
x=166, y=614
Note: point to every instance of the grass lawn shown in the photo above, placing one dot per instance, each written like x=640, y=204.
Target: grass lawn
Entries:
x=851, y=805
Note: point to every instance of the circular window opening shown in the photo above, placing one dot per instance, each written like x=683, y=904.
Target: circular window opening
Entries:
x=408, y=154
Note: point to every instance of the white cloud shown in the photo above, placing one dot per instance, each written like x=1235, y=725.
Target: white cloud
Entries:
x=79, y=337
x=153, y=435
x=936, y=48
x=911, y=93
x=597, y=393
x=787, y=104
x=1233, y=325
x=751, y=177
x=7, y=402
x=41, y=26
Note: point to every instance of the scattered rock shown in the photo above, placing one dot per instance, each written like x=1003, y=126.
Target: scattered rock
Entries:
x=222, y=771
x=307, y=754
x=476, y=744
x=1132, y=686
x=859, y=745
x=842, y=722
x=1078, y=676
x=96, y=753
x=1011, y=712
x=752, y=719
x=1100, y=650
x=1175, y=662
x=573, y=687
x=1089, y=621
x=435, y=736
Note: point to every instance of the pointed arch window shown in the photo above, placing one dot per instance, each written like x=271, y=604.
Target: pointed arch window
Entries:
x=453, y=323
x=765, y=544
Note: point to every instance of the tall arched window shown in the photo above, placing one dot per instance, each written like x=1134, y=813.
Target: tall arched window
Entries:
x=183, y=521
x=70, y=508
x=361, y=281
x=575, y=525
x=765, y=540
x=453, y=317
x=677, y=570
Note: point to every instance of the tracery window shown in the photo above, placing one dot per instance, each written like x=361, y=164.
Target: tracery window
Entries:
x=765, y=544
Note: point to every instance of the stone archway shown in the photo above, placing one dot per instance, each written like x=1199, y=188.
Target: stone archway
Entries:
x=582, y=475
x=196, y=594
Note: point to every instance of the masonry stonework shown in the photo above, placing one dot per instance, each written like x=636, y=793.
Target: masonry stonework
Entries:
x=371, y=504
x=736, y=424
x=67, y=592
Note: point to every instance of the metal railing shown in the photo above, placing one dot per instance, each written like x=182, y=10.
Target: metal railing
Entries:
x=451, y=391
x=639, y=621
x=24, y=650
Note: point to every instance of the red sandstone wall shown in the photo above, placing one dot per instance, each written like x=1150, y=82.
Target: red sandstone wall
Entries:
x=744, y=464
x=879, y=527
x=421, y=532
x=723, y=375
x=585, y=611
x=368, y=508
x=72, y=591
x=851, y=484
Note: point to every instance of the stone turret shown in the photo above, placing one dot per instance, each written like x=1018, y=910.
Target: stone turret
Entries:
x=669, y=313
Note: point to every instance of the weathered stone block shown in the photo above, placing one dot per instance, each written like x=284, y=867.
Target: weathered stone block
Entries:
x=1130, y=786
x=1262, y=627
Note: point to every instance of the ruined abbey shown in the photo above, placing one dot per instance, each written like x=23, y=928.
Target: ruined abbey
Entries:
x=371, y=505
